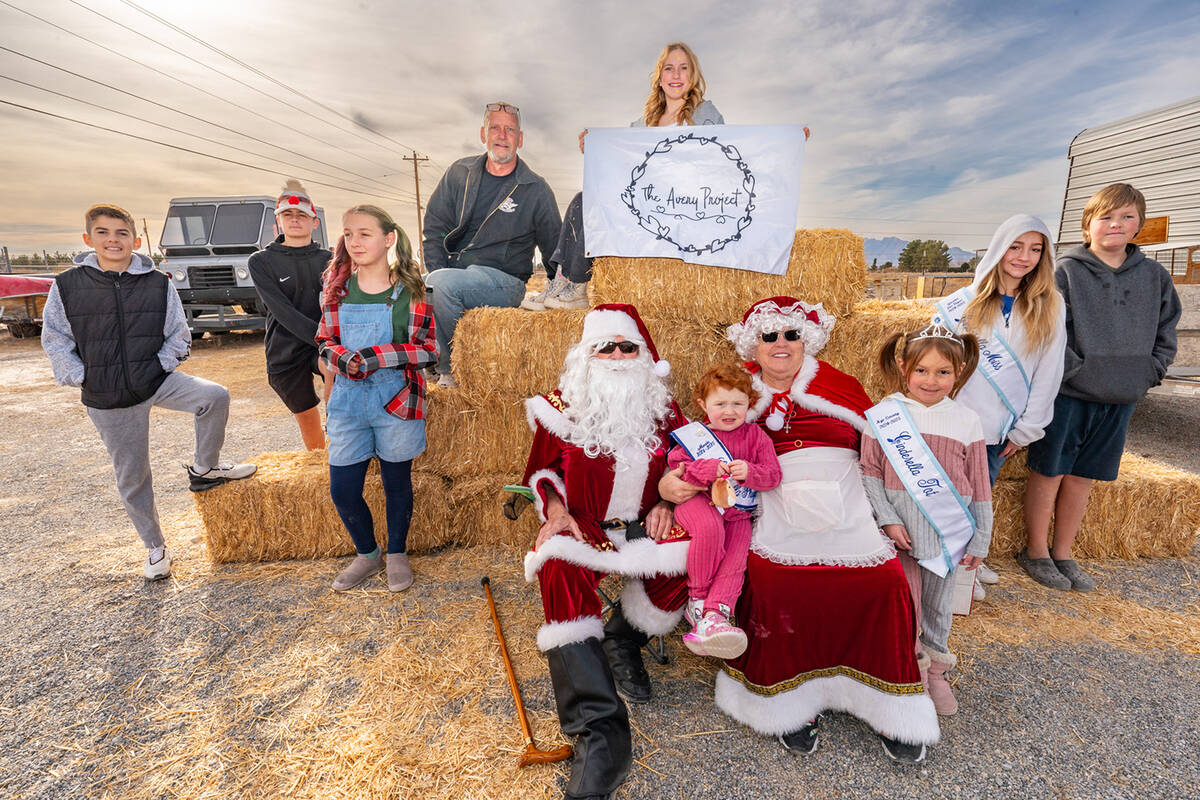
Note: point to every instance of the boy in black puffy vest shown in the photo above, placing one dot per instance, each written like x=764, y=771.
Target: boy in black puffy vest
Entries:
x=113, y=325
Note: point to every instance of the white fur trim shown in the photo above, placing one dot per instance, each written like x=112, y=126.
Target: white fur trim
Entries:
x=539, y=410
x=662, y=368
x=908, y=718
x=630, y=471
x=556, y=634
x=804, y=377
x=555, y=481
x=605, y=324
x=885, y=553
x=643, y=614
x=746, y=336
x=949, y=659
x=642, y=558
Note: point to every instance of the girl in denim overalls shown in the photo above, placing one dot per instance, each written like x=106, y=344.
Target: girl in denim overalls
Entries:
x=377, y=335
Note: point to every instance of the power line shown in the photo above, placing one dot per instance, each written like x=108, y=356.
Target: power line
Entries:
x=191, y=116
x=260, y=73
x=238, y=81
x=196, y=152
x=190, y=85
x=169, y=128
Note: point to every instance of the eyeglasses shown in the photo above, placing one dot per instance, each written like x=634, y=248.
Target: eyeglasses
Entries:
x=791, y=335
x=505, y=107
x=625, y=347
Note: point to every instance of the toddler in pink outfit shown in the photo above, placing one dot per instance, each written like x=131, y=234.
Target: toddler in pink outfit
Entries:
x=723, y=448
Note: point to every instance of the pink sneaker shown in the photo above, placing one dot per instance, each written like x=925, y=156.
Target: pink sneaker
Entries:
x=714, y=636
x=693, y=612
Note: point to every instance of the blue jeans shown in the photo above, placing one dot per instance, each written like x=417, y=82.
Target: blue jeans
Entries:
x=994, y=460
x=456, y=290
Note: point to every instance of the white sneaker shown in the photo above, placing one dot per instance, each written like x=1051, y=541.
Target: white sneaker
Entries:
x=215, y=476
x=158, y=564
x=447, y=380
x=986, y=574
x=572, y=295
x=980, y=593
x=537, y=302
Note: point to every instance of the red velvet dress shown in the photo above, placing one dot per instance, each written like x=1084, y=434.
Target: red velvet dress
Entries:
x=827, y=630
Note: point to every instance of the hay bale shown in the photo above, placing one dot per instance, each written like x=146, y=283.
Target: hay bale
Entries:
x=284, y=511
x=477, y=517
x=468, y=438
x=510, y=353
x=1150, y=511
x=825, y=266
x=854, y=344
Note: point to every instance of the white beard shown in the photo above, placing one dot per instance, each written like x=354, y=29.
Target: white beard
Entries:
x=613, y=405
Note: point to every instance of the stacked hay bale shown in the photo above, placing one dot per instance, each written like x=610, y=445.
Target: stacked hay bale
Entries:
x=478, y=436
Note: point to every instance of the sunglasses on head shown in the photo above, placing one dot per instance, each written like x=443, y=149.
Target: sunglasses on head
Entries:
x=505, y=107
x=624, y=347
x=791, y=335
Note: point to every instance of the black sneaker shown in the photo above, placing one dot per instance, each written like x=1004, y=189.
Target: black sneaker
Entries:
x=902, y=752
x=803, y=741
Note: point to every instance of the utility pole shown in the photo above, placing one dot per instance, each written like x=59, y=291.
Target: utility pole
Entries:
x=146, y=231
x=7, y=263
x=417, y=180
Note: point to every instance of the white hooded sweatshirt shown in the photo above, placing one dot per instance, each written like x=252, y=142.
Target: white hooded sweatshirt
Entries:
x=1044, y=368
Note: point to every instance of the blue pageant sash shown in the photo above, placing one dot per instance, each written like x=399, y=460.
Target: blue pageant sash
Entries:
x=998, y=362
x=699, y=442
x=926, y=482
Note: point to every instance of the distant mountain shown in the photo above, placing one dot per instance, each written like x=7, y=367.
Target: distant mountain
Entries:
x=889, y=250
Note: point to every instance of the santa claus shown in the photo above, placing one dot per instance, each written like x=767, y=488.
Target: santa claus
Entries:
x=599, y=449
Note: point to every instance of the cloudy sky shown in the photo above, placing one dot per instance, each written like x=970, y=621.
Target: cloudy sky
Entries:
x=929, y=119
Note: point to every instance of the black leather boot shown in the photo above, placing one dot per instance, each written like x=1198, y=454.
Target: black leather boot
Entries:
x=590, y=710
x=623, y=645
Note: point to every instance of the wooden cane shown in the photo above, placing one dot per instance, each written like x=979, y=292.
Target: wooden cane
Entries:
x=532, y=754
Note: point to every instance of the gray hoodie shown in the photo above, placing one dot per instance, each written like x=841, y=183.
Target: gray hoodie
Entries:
x=58, y=340
x=1120, y=325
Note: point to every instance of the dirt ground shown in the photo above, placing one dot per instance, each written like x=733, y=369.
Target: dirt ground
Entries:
x=256, y=680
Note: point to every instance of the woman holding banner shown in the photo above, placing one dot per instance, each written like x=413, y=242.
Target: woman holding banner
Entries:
x=676, y=98
x=826, y=608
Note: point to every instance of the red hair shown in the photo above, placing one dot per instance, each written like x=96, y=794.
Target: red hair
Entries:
x=726, y=376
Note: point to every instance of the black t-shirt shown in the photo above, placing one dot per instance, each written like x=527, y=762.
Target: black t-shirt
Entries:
x=491, y=190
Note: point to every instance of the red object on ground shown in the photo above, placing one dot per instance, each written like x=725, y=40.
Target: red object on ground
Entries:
x=21, y=285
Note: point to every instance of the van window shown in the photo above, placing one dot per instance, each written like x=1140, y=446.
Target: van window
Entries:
x=238, y=224
x=188, y=225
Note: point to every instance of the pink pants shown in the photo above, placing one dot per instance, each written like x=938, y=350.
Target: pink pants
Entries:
x=716, y=561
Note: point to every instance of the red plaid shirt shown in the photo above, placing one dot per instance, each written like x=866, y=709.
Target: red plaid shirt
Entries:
x=419, y=352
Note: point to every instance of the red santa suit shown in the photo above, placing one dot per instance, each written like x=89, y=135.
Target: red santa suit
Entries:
x=595, y=491
x=826, y=608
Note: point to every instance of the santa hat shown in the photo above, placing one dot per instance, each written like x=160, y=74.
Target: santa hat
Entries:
x=605, y=323
x=781, y=314
x=294, y=197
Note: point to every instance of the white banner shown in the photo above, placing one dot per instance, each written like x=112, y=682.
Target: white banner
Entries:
x=721, y=195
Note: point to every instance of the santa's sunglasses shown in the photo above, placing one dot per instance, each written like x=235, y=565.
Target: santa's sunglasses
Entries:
x=625, y=347
x=773, y=336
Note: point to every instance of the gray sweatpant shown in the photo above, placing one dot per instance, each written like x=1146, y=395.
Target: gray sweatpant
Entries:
x=126, y=434
x=934, y=599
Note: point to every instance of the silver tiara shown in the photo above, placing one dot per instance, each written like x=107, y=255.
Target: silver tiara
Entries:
x=936, y=330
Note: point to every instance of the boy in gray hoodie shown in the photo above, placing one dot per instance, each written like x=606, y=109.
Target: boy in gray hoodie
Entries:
x=1122, y=309
x=113, y=325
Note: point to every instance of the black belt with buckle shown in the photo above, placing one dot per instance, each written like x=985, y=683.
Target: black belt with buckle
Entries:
x=633, y=530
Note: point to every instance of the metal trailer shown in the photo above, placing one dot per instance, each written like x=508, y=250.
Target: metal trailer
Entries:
x=207, y=243
x=22, y=298
x=1157, y=151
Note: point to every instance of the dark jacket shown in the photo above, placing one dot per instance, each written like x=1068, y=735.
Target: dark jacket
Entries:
x=1120, y=325
x=117, y=321
x=288, y=280
x=525, y=215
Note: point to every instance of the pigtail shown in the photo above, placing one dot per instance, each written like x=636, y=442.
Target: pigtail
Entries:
x=893, y=379
x=970, y=360
x=336, y=275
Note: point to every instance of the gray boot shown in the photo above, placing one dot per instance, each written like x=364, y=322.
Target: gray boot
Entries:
x=359, y=570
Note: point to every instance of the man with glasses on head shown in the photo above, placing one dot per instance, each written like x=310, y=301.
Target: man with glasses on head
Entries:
x=599, y=448
x=481, y=225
